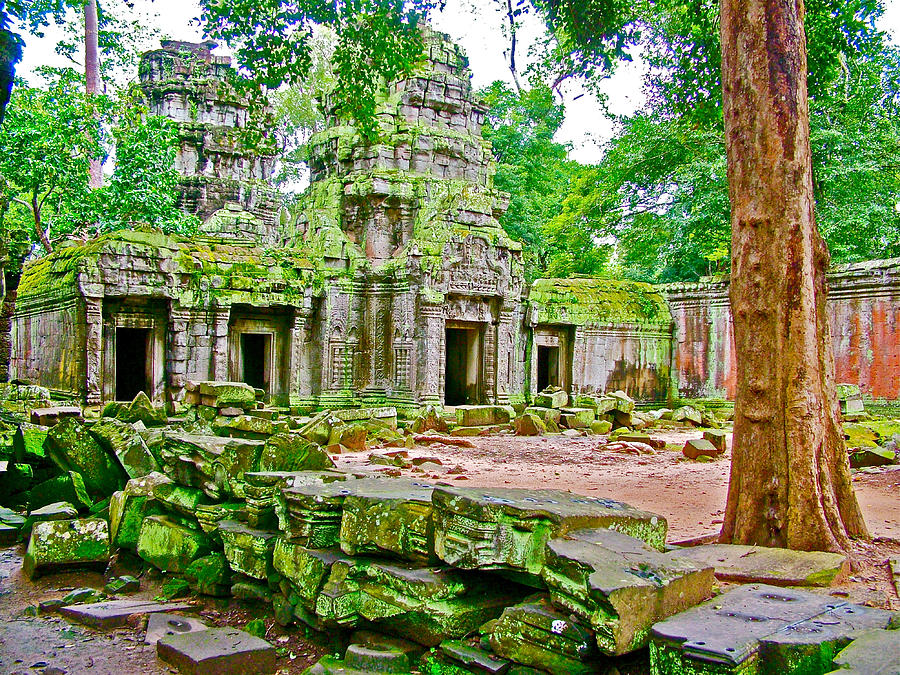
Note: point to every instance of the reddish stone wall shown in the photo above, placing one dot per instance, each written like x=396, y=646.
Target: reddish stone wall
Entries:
x=864, y=311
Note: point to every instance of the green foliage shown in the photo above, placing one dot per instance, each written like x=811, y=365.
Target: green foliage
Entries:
x=536, y=173
x=375, y=39
x=143, y=186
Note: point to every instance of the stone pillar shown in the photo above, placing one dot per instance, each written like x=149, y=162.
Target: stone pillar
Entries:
x=219, y=330
x=93, y=344
x=299, y=380
x=489, y=362
x=506, y=362
x=433, y=355
x=177, y=353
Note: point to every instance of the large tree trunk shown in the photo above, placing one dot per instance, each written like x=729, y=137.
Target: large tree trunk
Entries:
x=790, y=477
x=92, y=74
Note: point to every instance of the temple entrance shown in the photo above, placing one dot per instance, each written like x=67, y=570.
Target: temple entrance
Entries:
x=462, y=373
x=256, y=350
x=547, y=367
x=132, y=346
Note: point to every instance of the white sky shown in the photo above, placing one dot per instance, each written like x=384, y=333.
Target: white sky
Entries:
x=477, y=30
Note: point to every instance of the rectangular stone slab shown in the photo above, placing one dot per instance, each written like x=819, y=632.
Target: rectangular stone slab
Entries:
x=214, y=464
x=758, y=629
x=776, y=566
x=508, y=528
x=217, y=651
x=388, y=517
x=115, y=613
x=160, y=624
x=877, y=651
x=311, y=514
x=305, y=569
x=620, y=586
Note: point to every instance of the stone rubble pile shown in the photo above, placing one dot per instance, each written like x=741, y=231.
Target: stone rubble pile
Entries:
x=465, y=580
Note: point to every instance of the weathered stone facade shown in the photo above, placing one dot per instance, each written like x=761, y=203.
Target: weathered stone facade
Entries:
x=864, y=313
x=394, y=285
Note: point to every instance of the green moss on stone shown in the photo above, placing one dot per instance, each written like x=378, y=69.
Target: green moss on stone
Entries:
x=581, y=301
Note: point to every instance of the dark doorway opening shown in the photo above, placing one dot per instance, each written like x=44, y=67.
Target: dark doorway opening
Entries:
x=132, y=348
x=255, y=359
x=547, y=367
x=463, y=366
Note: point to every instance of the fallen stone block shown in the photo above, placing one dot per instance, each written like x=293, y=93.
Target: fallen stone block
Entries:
x=760, y=629
x=14, y=478
x=292, y=452
x=624, y=403
x=115, y=613
x=529, y=424
x=548, y=415
x=55, y=511
x=875, y=652
x=122, y=441
x=163, y=624
x=696, y=447
x=217, y=651
x=384, y=415
x=508, y=528
x=210, y=575
x=123, y=584
x=537, y=634
x=457, y=657
x=483, y=415
x=719, y=439
x=262, y=489
x=688, y=415
x=169, y=546
x=28, y=445
x=305, y=572
x=249, y=551
x=318, y=429
x=620, y=586
x=58, y=544
x=72, y=448
x=601, y=427
x=863, y=457
x=360, y=659
x=388, y=517
x=776, y=566
x=429, y=419
x=243, y=426
x=213, y=464
x=422, y=604
x=552, y=397
x=49, y=417
x=179, y=500
x=311, y=514
x=576, y=418
x=224, y=395
x=210, y=515
x=68, y=487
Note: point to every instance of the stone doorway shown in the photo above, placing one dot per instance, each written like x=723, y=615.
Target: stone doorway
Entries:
x=132, y=363
x=462, y=372
x=256, y=359
x=547, y=367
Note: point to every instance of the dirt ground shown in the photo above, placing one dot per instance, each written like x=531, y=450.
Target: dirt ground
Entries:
x=691, y=495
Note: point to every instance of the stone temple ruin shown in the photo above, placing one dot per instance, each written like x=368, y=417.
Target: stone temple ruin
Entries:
x=395, y=285
x=234, y=365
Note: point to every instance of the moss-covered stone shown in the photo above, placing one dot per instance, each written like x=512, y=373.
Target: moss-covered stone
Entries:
x=581, y=301
x=620, y=586
x=508, y=528
x=213, y=464
x=69, y=487
x=249, y=551
x=62, y=543
x=210, y=575
x=141, y=409
x=121, y=440
x=536, y=634
x=292, y=452
x=169, y=546
x=129, y=507
x=72, y=448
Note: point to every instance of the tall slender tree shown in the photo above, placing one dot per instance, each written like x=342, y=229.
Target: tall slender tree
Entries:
x=92, y=75
x=790, y=478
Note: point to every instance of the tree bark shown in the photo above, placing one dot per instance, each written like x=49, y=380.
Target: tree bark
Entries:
x=92, y=74
x=790, y=476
